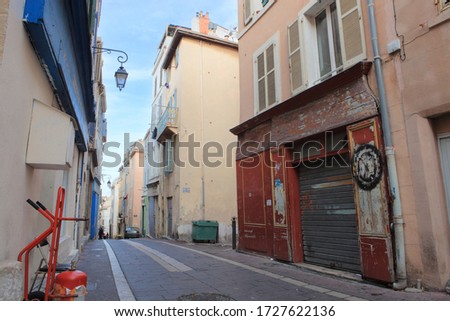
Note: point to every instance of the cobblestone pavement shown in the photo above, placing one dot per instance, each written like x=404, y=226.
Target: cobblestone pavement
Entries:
x=157, y=270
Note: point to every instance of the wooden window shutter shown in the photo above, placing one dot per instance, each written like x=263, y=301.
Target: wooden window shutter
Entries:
x=175, y=103
x=169, y=156
x=265, y=71
x=295, y=56
x=247, y=11
x=261, y=72
x=352, y=31
x=270, y=68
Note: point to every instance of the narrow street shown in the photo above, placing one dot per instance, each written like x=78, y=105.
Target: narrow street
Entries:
x=156, y=270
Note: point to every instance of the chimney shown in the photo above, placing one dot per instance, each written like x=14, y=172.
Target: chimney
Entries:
x=204, y=23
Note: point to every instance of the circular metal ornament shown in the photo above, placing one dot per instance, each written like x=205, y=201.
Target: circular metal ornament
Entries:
x=367, y=166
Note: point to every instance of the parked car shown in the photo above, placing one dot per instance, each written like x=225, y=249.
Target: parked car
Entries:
x=132, y=232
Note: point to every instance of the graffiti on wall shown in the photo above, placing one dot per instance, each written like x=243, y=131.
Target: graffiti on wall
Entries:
x=280, y=203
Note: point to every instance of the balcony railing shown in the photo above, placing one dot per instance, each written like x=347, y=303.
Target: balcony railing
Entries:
x=167, y=122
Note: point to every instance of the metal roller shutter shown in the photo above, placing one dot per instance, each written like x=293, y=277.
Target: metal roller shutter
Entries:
x=329, y=222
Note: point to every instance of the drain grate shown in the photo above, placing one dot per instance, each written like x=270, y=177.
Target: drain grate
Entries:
x=205, y=297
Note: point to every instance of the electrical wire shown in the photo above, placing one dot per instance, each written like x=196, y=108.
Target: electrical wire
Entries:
x=402, y=37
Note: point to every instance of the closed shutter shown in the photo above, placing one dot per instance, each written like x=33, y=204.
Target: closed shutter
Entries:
x=169, y=156
x=261, y=82
x=295, y=56
x=266, y=84
x=352, y=31
x=329, y=223
x=247, y=11
x=151, y=218
x=270, y=67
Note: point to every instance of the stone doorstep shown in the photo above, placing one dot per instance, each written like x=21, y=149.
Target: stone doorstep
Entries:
x=324, y=270
x=315, y=268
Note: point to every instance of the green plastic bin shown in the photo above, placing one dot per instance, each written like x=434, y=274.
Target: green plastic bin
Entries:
x=204, y=231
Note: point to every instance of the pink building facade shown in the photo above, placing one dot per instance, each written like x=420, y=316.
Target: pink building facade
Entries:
x=343, y=133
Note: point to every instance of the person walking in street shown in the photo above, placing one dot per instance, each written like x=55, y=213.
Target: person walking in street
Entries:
x=100, y=233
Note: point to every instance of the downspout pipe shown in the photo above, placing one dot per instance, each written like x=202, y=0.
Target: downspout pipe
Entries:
x=400, y=262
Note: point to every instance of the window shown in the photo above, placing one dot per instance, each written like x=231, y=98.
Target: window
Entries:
x=328, y=40
x=251, y=8
x=335, y=40
x=173, y=100
x=247, y=11
x=266, y=70
x=159, y=107
x=167, y=76
x=445, y=4
x=174, y=97
x=169, y=157
x=177, y=56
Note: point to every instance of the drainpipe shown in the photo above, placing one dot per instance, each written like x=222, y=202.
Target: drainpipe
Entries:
x=202, y=120
x=400, y=268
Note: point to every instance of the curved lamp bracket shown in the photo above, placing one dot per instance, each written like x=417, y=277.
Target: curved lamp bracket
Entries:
x=121, y=59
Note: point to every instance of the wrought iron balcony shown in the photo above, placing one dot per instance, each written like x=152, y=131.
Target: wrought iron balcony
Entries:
x=167, y=124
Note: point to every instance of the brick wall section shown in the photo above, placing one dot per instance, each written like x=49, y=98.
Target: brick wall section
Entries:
x=343, y=106
x=4, y=9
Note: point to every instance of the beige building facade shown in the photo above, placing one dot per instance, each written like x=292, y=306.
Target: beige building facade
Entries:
x=46, y=130
x=196, y=101
x=356, y=87
x=132, y=175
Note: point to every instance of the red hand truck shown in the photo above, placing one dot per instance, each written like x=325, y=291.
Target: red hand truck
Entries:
x=52, y=267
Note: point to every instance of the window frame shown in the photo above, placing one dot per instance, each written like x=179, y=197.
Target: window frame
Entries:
x=169, y=156
x=444, y=5
x=274, y=40
x=248, y=11
x=330, y=34
x=311, y=64
x=255, y=8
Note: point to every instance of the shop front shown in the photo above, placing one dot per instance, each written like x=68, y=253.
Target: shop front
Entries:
x=312, y=180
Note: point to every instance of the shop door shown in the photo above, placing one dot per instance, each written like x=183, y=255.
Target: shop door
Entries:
x=328, y=213
x=279, y=216
x=370, y=184
x=169, y=216
x=151, y=218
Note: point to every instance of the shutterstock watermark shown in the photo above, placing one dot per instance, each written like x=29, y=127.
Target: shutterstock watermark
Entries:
x=212, y=154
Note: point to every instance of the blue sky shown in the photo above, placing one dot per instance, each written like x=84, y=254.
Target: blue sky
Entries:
x=137, y=27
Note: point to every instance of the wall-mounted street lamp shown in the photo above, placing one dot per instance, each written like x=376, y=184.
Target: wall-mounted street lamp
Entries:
x=121, y=74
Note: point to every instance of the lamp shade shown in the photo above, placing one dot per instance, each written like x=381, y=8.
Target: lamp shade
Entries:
x=121, y=77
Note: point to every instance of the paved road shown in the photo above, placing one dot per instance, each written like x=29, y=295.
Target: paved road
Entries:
x=153, y=270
